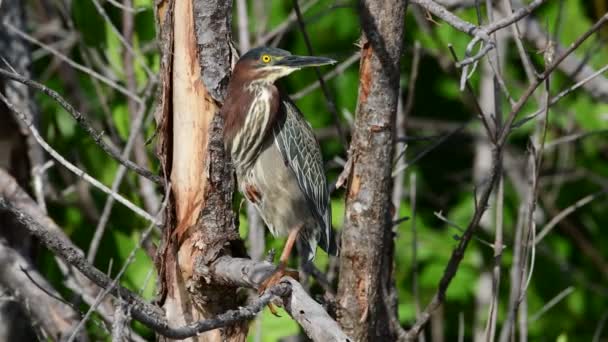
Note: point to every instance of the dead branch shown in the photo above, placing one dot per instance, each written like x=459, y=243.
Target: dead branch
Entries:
x=36, y=295
x=311, y=316
x=84, y=124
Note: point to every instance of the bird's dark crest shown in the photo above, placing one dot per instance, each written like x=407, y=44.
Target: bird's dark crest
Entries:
x=256, y=53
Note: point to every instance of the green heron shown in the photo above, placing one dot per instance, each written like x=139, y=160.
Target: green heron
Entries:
x=275, y=154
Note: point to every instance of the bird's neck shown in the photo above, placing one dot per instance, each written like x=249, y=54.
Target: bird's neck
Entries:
x=248, y=123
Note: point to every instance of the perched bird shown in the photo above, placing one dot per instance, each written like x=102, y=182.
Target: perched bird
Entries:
x=276, y=156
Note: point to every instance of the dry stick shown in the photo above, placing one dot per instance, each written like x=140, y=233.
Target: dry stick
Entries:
x=506, y=130
x=331, y=106
x=74, y=64
x=284, y=26
x=148, y=314
x=99, y=91
x=120, y=173
x=494, y=57
x=525, y=59
x=480, y=33
x=564, y=213
x=415, y=292
x=569, y=90
x=453, y=224
x=498, y=248
x=561, y=295
x=146, y=189
x=122, y=316
x=73, y=168
x=12, y=192
x=600, y=326
x=480, y=113
x=460, y=327
x=122, y=39
x=243, y=25
x=427, y=150
x=239, y=272
x=84, y=124
x=114, y=282
x=458, y=253
x=21, y=278
x=124, y=7
x=338, y=70
x=493, y=27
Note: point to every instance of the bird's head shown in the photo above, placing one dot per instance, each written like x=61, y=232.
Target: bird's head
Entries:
x=266, y=64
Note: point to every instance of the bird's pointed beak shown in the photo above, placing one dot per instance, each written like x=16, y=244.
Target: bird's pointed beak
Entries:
x=298, y=62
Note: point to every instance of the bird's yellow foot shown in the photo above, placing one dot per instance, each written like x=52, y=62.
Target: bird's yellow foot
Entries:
x=274, y=279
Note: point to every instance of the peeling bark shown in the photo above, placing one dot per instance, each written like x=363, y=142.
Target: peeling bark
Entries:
x=367, y=241
x=196, y=61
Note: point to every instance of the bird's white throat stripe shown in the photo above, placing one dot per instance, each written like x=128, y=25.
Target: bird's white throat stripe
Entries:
x=249, y=138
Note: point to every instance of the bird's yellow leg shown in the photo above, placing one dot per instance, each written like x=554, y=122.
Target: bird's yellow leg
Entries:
x=281, y=270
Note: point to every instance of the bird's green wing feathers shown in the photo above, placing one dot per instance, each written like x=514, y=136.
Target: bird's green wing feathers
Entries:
x=300, y=150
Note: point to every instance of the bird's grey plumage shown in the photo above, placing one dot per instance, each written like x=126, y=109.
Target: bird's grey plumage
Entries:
x=299, y=147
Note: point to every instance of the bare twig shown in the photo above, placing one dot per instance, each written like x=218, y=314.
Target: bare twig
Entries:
x=305, y=310
x=563, y=294
x=338, y=70
x=120, y=173
x=128, y=46
x=567, y=211
x=548, y=70
x=84, y=123
x=415, y=292
x=331, y=106
x=480, y=33
x=284, y=26
x=75, y=169
x=600, y=326
x=101, y=296
x=35, y=294
x=121, y=322
x=72, y=63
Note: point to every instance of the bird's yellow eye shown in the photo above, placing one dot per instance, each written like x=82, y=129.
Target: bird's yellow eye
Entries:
x=266, y=58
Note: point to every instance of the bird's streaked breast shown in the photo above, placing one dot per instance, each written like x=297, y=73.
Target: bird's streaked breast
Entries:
x=249, y=138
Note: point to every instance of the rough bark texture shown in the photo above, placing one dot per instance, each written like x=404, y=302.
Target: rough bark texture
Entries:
x=18, y=155
x=311, y=316
x=196, y=60
x=367, y=245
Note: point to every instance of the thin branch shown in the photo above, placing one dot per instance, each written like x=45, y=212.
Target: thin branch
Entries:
x=122, y=39
x=506, y=130
x=480, y=33
x=120, y=173
x=284, y=26
x=305, y=310
x=331, y=106
x=74, y=169
x=74, y=64
x=338, y=70
x=101, y=296
x=84, y=123
x=567, y=211
x=563, y=294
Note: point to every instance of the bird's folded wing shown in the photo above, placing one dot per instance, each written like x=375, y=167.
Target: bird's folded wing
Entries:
x=301, y=153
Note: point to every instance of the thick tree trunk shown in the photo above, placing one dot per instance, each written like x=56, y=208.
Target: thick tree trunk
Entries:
x=367, y=241
x=196, y=62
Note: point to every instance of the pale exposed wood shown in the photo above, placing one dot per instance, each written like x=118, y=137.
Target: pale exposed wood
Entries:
x=191, y=117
